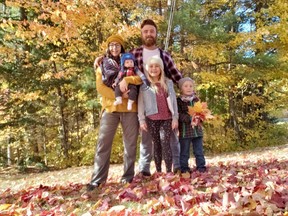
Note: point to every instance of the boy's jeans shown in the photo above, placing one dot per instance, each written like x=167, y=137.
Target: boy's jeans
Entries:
x=197, y=144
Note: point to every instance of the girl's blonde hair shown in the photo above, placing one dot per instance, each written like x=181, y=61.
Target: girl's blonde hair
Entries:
x=156, y=60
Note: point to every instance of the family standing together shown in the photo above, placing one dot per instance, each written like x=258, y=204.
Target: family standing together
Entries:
x=137, y=90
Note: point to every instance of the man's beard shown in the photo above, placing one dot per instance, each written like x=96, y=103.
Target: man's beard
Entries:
x=150, y=41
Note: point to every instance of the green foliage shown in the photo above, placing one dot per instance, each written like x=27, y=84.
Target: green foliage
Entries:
x=32, y=162
x=217, y=139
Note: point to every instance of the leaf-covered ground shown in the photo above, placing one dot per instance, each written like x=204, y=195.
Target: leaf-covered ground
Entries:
x=246, y=183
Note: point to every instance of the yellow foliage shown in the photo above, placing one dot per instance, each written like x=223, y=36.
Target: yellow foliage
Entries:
x=253, y=99
x=210, y=53
x=201, y=109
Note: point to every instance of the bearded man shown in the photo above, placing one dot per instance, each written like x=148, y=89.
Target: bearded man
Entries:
x=148, y=49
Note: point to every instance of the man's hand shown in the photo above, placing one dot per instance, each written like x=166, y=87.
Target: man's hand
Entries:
x=123, y=85
x=98, y=61
x=125, y=94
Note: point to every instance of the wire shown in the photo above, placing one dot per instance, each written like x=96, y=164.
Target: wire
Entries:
x=170, y=24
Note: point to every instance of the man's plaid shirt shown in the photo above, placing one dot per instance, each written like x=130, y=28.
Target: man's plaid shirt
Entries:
x=169, y=66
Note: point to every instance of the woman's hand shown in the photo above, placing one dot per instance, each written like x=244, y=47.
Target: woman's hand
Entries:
x=174, y=124
x=123, y=85
x=98, y=61
x=143, y=127
x=126, y=94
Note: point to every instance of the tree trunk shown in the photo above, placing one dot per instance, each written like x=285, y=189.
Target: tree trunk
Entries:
x=63, y=119
x=44, y=146
x=233, y=116
x=64, y=122
x=9, y=152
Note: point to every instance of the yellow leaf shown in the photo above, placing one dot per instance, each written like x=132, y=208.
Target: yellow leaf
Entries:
x=252, y=204
x=197, y=108
x=63, y=16
x=169, y=201
x=97, y=204
x=164, y=184
x=4, y=206
x=201, y=110
x=186, y=175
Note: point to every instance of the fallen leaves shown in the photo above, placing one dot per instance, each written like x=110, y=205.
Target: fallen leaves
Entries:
x=247, y=186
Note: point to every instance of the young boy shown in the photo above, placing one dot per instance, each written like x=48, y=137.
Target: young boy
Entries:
x=188, y=131
x=127, y=69
x=112, y=77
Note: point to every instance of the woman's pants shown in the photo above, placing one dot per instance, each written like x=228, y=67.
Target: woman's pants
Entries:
x=107, y=130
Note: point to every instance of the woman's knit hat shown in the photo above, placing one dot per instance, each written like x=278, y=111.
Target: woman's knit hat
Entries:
x=155, y=60
x=115, y=38
x=184, y=79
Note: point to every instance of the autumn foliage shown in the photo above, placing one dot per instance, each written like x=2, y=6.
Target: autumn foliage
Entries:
x=199, y=113
x=236, y=51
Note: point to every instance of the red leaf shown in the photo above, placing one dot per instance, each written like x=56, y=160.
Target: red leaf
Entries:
x=278, y=200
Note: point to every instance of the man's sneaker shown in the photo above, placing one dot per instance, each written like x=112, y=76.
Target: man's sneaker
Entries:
x=91, y=187
x=89, y=193
x=145, y=173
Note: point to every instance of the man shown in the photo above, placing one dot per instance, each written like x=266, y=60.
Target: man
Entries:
x=142, y=54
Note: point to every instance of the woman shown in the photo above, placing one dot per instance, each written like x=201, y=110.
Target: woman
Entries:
x=113, y=115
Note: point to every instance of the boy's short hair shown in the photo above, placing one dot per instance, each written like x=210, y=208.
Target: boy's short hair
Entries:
x=148, y=22
x=184, y=79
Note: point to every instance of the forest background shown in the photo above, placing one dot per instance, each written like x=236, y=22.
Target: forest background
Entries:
x=235, y=50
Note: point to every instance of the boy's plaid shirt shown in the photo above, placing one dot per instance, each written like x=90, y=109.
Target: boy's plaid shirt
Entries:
x=185, y=128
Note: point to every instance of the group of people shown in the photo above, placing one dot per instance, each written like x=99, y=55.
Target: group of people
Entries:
x=137, y=89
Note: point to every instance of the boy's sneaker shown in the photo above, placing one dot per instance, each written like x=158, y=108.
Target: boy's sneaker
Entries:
x=202, y=169
x=177, y=170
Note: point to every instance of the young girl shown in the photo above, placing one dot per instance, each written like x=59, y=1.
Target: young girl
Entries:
x=189, y=131
x=157, y=109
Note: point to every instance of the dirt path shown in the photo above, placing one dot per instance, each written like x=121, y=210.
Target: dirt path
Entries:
x=11, y=178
